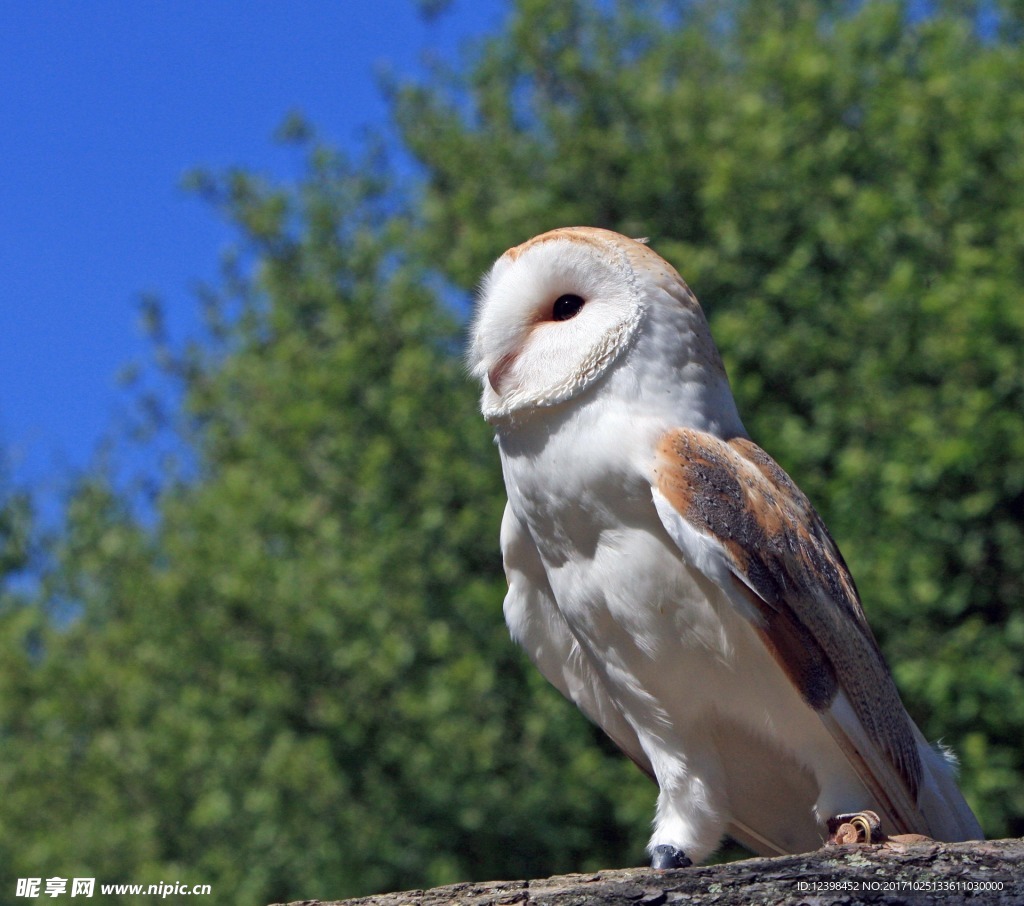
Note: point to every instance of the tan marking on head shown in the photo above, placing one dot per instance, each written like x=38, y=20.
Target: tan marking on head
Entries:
x=597, y=237
x=642, y=259
x=587, y=235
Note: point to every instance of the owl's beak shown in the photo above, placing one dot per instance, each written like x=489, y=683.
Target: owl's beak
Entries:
x=497, y=373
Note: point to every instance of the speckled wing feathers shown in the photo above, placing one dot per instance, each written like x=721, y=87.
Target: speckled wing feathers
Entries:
x=788, y=567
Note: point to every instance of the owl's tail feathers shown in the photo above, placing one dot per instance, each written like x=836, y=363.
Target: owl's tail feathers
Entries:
x=772, y=810
x=948, y=815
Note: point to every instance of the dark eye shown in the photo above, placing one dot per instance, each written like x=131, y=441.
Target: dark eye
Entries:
x=565, y=307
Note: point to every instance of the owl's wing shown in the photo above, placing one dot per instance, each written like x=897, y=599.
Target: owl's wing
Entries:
x=739, y=518
x=536, y=623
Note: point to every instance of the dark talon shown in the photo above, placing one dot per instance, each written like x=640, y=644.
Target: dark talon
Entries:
x=667, y=856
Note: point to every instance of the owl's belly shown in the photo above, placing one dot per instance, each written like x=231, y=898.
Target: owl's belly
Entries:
x=673, y=651
x=651, y=625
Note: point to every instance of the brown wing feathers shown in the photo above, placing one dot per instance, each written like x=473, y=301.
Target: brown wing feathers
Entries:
x=790, y=569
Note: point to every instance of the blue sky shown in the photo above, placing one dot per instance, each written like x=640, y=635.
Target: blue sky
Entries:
x=104, y=107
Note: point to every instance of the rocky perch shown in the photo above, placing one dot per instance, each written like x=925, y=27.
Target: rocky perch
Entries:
x=894, y=872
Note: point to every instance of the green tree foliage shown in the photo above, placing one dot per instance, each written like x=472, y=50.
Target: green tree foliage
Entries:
x=299, y=683
x=296, y=680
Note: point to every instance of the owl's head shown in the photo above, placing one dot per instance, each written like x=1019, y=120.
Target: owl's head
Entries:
x=556, y=312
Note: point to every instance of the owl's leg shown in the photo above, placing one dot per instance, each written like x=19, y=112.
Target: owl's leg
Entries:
x=692, y=814
x=843, y=807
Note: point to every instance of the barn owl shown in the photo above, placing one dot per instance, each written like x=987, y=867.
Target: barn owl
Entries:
x=667, y=576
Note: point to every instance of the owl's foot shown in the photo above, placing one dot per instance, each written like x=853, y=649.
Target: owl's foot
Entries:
x=668, y=856
x=855, y=827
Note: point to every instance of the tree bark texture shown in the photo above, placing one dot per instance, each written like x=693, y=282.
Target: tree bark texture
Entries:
x=892, y=873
